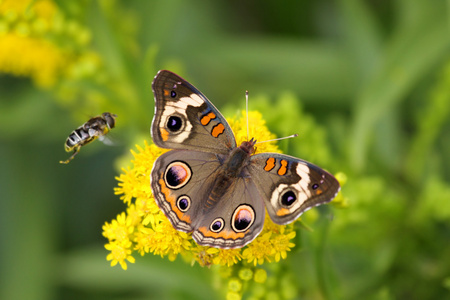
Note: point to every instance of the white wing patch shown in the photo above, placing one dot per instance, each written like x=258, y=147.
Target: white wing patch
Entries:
x=179, y=108
x=192, y=100
x=301, y=187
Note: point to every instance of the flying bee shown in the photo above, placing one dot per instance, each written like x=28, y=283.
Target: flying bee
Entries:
x=96, y=127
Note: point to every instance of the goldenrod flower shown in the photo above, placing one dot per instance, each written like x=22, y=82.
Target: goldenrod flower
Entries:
x=260, y=276
x=245, y=274
x=36, y=41
x=144, y=228
x=120, y=251
x=226, y=257
x=119, y=229
x=38, y=59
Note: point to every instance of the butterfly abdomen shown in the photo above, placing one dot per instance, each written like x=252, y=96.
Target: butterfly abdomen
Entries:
x=221, y=185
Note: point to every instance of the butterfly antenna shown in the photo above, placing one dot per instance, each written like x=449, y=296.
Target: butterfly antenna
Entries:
x=279, y=139
x=246, y=111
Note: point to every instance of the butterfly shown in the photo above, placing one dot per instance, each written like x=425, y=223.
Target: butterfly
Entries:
x=210, y=186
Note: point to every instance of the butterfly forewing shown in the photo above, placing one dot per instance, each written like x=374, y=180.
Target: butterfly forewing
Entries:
x=290, y=186
x=186, y=119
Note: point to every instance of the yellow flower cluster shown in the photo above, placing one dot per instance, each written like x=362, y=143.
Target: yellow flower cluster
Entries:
x=144, y=228
x=37, y=42
x=31, y=64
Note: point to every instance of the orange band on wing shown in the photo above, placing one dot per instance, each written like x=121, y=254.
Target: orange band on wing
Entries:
x=169, y=198
x=164, y=134
x=283, y=169
x=225, y=234
x=166, y=92
x=207, y=118
x=217, y=130
x=270, y=164
x=282, y=212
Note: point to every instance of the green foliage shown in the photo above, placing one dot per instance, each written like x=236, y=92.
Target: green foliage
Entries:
x=365, y=84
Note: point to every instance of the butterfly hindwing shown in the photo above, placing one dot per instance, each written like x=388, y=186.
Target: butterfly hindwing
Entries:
x=236, y=218
x=182, y=182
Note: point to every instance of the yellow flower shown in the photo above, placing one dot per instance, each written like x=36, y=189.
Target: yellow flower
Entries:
x=234, y=285
x=227, y=257
x=245, y=274
x=148, y=230
x=162, y=240
x=257, y=129
x=37, y=42
x=283, y=244
x=120, y=229
x=30, y=57
x=233, y=296
x=120, y=251
x=260, y=276
x=340, y=201
x=28, y=7
x=260, y=250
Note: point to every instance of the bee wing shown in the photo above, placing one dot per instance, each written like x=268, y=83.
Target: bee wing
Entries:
x=107, y=140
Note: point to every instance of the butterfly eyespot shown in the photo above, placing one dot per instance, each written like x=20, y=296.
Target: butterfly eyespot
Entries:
x=177, y=175
x=217, y=225
x=183, y=203
x=173, y=94
x=243, y=217
x=174, y=123
x=315, y=186
x=288, y=198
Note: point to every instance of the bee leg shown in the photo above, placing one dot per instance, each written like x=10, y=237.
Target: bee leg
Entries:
x=75, y=152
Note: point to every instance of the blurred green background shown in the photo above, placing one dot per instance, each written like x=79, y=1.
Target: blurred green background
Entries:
x=366, y=84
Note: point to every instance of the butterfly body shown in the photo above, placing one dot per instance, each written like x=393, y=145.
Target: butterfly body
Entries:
x=215, y=189
x=238, y=159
